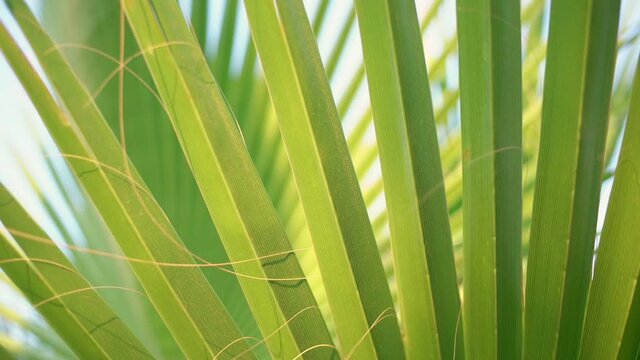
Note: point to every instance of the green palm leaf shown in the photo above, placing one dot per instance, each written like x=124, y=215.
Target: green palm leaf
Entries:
x=491, y=110
x=235, y=179
x=612, y=308
x=337, y=217
x=140, y=227
x=405, y=130
x=580, y=67
x=67, y=301
x=244, y=216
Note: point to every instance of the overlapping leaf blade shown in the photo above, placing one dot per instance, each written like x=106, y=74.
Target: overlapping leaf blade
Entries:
x=244, y=215
x=344, y=243
x=66, y=300
x=92, y=48
x=132, y=215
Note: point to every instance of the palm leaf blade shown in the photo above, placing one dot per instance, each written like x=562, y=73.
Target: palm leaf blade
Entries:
x=338, y=222
x=244, y=215
x=610, y=307
x=43, y=273
x=577, y=90
x=405, y=131
x=139, y=227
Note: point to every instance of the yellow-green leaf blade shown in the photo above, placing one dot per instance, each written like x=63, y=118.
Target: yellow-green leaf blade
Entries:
x=237, y=201
x=611, y=308
x=62, y=295
x=344, y=244
x=182, y=296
